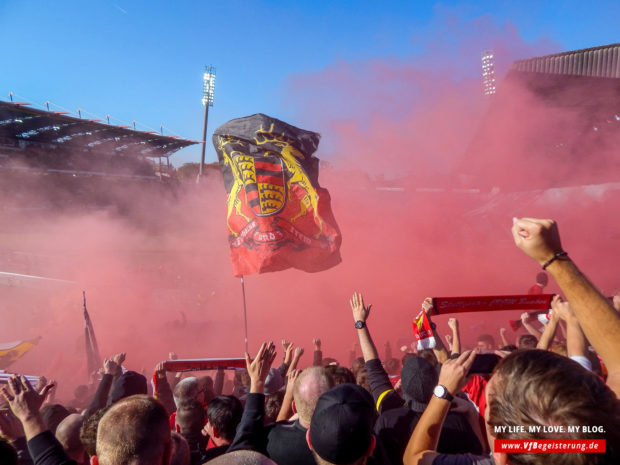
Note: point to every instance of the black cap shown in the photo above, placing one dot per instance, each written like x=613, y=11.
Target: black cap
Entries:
x=342, y=423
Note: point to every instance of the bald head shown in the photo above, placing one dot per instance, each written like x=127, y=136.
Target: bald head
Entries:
x=242, y=457
x=309, y=386
x=134, y=431
x=68, y=434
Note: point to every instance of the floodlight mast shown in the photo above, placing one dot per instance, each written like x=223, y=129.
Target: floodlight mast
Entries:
x=208, y=91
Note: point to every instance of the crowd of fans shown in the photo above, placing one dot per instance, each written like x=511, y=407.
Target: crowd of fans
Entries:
x=445, y=406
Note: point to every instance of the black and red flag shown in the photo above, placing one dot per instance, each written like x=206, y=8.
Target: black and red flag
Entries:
x=278, y=216
x=93, y=359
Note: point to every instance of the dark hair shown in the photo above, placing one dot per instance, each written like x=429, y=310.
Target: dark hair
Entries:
x=224, y=414
x=392, y=366
x=429, y=356
x=357, y=364
x=8, y=455
x=406, y=357
x=527, y=341
x=509, y=348
x=273, y=404
x=342, y=374
x=53, y=414
x=88, y=431
x=540, y=388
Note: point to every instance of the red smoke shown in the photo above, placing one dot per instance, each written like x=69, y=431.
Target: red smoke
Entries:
x=418, y=214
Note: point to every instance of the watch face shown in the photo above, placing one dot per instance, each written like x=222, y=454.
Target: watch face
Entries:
x=359, y=324
x=440, y=391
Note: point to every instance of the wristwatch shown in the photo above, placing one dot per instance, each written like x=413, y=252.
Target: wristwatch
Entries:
x=441, y=392
x=359, y=324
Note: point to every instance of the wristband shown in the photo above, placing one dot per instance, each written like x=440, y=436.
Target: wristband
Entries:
x=554, y=258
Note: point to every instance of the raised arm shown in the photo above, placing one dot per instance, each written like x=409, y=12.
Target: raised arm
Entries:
x=502, y=335
x=317, y=356
x=440, y=350
x=576, y=342
x=540, y=240
x=525, y=320
x=250, y=430
x=455, y=348
x=422, y=446
x=548, y=334
x=360, y=315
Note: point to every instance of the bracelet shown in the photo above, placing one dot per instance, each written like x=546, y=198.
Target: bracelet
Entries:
x=554, y=258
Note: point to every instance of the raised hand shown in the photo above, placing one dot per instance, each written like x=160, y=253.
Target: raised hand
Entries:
x=258, y=369
x=539, y=239
x=360, y=311
x=453, y=372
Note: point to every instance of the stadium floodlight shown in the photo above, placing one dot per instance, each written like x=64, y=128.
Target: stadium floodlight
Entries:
x=208, y=92
x=208, y=88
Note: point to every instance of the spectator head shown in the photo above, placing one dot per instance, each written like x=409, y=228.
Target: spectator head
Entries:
x=68, y=434
x=310, y=384
x=429, y=356
x=242, y=377
x=486, y=343
x=180, y=450
x=223, y=415
x=8, y=454
x=187, y=388
x=527, y=341
x=128, y=384
x=357, y=364
x=341, y=374
x=134, y=431
x=88, y=431
x=273, y=404
x=406, y=357
x=81, y=392
x=52, y=415
x=542, y=279
x=242, y=457
x=540, y=388
x=418, y=379
x=341, y=428
x=205, y=389
x=273, y=382
x=392, y=366
x=190, y=417
x=329, y=361
x=362, y=379
x=508, y=348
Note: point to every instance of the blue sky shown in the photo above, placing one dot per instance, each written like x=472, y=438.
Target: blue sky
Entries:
x=143, y=60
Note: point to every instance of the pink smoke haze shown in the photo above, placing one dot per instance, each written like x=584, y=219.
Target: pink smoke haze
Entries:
x=425, y=175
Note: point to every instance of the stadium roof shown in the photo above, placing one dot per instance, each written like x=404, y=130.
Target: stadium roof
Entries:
x=603, y=61
x=21, y=125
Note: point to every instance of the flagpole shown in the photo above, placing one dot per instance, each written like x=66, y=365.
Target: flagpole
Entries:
x=245, y=314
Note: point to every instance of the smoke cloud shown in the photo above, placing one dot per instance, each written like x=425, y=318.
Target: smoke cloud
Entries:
x=425, y=175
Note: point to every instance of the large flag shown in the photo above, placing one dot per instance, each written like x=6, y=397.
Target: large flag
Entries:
x=13, y=351
x=278, y=216
x=93, y=359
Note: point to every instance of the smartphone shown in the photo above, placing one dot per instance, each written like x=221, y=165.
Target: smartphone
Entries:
x=484, y=364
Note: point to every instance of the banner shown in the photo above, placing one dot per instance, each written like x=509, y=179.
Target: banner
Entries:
x=4, y=378
x=12, y=351
x=443, y=305
x=278, y=216
x=202, y=364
